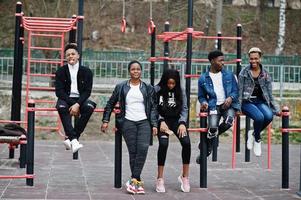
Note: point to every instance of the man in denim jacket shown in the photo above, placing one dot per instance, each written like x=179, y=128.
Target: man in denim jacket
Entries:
x=218, y=94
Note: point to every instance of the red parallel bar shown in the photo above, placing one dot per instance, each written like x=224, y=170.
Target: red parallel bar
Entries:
x=46, y=61
x=45, y=35
x=232, y=61
x=44, y=101
x=269, y=145
x=46, y=48
x=191, y=76
x=42, y=88
x=17, y=176
x=202, y=130
x=11, y=121
x=41, y=109
x=99, y=110
x=298, y=130
x=49, y=25
x=222, y=37
x=166, y=36
x=45, y=114
x=42, y=75
x=46, y=29
x=47, y=128
x=49, y=18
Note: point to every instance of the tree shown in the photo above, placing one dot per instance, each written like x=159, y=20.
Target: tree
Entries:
x=281, y=33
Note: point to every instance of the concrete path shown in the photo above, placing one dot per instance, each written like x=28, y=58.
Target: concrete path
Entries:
x=57, y=176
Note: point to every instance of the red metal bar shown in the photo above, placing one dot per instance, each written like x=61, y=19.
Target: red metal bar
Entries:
x=45, y=35
x=42, y=88
x=202, y=130
x=11, y=121
x=269, y=145
x=46, y=61
x=44, y=101
x=46, y=128
x=46, y=48
x=42, y=75
x=17, y=176
x=45, y=114
x=191, y=75
x=297, y=130
x=217, y=37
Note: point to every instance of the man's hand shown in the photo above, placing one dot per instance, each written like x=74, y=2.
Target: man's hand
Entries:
x=227, y=103
x=74, y=109
x=104, y=127
x=182, y=131
x=204, y=106
x=155, y=131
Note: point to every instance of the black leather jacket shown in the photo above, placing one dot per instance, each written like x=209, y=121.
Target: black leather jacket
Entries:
x=119, y=95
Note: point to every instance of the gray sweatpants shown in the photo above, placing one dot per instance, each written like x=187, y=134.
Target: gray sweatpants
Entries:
x=137, y=137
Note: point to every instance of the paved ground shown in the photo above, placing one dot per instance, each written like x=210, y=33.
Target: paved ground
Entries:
x=91, y=177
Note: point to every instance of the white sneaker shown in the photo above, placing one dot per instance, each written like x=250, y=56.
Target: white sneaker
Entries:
x=257, y=148
x=184, y=181
x=160, y=185
x=250, y=141
x=67, y=144
x=75, y=145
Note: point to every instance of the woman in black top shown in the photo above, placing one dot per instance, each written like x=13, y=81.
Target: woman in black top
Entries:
x=173, y=111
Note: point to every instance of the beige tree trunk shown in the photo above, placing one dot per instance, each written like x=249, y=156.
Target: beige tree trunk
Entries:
x=281, y=32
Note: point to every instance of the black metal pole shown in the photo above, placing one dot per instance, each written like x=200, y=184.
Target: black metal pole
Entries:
x=189, y=54
x=75, y=155
x=166, y=46
x=238, y=68
x=18, y=69
x=118, y=154
x=17, y=73
x=72, y=33
x=80, y=27
x=219, y=41
x=215, y=140
x=152, y=66
x=247, y=151
x=203, y=150
x=285, y=148
x=30, y=143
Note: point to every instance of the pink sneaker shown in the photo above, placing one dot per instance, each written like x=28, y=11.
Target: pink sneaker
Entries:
x=140, y=187
x=160, y=185
x=185, y=186
x=131, y=186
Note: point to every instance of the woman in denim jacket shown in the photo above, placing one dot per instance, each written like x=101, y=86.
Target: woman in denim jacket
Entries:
x=218, y=94
x=137, y=120
x=255, y=95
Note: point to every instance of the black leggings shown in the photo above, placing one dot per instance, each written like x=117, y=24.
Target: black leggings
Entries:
x=164, y=141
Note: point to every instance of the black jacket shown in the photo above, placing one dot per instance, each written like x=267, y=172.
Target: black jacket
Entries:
x=119, y=95
x=63, y=84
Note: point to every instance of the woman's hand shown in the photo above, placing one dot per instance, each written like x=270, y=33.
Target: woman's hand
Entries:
x=182, y=131
x=163, y=127
x=155, y=131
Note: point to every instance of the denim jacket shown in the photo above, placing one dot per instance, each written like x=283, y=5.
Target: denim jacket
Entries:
x=246, y=86
x=206, y=92
x=119, y=95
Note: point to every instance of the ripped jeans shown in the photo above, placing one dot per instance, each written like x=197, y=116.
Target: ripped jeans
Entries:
x=214, y=120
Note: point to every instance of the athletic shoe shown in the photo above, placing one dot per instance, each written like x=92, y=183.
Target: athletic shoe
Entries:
x=257, y=148
x=250, y=141
x=67, y=144
x=140, y=187
x=160, y=185
x=131, y=186
x=184, y=181
x=76, y=145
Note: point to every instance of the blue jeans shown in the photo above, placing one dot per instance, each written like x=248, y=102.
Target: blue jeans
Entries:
x=260, y=113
